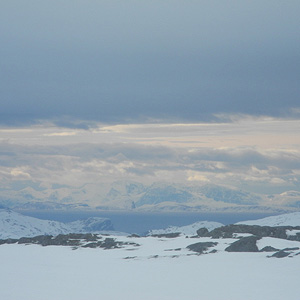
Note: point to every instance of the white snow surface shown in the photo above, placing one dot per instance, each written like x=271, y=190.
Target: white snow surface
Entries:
x=290, y=219
x=189, y=229
x=159, y=269
x=15, y=225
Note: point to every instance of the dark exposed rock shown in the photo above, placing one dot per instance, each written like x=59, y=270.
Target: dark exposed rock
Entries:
x=73, y=239
x=268, y=249
x=134, y=235
x=167, y=235
x=295, y=237
x=230, y=231
x=92, y=245
x=290, y=249
x=201, y=246
x=89, y=237
x=202, y=232
x=261, y=231
x=109, y=243
x=281, y=254
x=60, y=240
x=246, y=244
x=43, y=240
x=177, y=249
x=64, y=240
x=8, y=241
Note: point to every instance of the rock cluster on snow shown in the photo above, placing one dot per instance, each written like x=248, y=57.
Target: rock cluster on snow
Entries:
x=245, y=244
x=87, y=240
x=201, y=247
x=231, y=231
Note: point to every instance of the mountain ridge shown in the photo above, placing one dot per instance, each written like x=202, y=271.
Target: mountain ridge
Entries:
x=16, y=225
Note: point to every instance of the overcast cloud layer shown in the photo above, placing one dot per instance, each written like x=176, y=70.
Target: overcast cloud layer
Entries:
x=261, y=155
x=137, y=61
x=189, y=92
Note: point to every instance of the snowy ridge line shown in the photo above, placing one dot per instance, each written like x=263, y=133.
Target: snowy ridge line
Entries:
x=290, y=219
x=15, y=225
x=188, y=229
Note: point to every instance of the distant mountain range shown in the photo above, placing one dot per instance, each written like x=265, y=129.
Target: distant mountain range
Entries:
x=155, y=197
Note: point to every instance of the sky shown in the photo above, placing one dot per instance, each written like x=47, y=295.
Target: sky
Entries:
x=193, y=91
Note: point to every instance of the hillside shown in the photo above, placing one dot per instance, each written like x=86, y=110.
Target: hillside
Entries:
x=291, y=219
x=15, y=225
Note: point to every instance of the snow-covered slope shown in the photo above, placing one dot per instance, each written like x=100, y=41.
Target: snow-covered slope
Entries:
x=291, y=219
x=188, y=229
x=149, y=268
x=15, y=225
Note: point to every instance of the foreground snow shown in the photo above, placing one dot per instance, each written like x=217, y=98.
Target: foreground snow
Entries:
x=160, y=268
x=153, y=268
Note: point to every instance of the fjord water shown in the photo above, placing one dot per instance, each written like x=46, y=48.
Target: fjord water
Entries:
x=140, y=223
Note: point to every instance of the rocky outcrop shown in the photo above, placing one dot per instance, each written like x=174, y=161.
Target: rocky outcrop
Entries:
x=201, y=247
x=167, y=235
x=87, y=240
x=281, y=254
x=72, y=239
x=268, y=249
x=246, y=244
x=202, y=232
x=230, y=231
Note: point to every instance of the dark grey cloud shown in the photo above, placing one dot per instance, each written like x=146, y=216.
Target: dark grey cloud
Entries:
x=114, y=61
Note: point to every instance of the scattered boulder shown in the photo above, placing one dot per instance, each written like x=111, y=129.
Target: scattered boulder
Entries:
x=290, y=249
x=134, y=235
x=92, y=245
x=268, y=249
x=167, y=235
x=202, y=232
x=280, y=254
x=8, y=241
x=201, y=246
x=110, y=243
x=246, y=244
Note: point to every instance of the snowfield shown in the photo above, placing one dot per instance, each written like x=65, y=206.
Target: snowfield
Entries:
x=98, y=266
x=160, y=268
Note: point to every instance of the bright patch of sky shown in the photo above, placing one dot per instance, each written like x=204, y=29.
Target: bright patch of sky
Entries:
x=261, y=154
